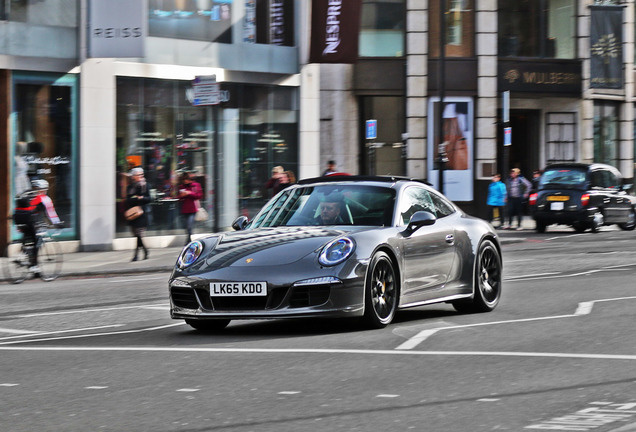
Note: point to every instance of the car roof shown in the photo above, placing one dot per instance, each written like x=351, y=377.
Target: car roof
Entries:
x=586, y=166
x=360, y=179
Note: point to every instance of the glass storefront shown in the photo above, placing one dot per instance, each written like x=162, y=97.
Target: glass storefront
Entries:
x=537, y=28
x=231, y=148
x=44, y=138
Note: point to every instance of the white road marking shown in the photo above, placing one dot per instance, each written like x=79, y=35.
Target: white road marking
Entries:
x=62, y=331
x=617, y=357
x=93, y=310
x=288, y=392
x=190, y=390
x=8, y=385
x=488, y=400
x=583, y=308
x=93, y=334
x=96, y=387
x=18, y=332
x=388, y=396
x=560, y=275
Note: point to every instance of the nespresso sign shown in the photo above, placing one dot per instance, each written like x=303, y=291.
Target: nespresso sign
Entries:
x=540, y=77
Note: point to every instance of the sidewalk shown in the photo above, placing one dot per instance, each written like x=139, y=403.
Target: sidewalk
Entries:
x=163, y=259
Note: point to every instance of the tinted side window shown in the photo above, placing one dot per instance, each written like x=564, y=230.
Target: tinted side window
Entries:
x=415, y=199
x=598, y=180
x=612, y=180
x=442, y=206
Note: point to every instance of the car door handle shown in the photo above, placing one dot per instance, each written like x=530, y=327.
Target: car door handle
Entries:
x=450, y=238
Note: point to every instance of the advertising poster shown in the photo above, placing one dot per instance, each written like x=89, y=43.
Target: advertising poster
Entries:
x=205, y=20
x=458, y=139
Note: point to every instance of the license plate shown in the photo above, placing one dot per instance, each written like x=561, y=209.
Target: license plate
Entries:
x=238, y=289
x=556, y=206
x=558, y=198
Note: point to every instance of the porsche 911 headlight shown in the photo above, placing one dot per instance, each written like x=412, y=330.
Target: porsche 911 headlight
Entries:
x=336, y=251
x=190, y=254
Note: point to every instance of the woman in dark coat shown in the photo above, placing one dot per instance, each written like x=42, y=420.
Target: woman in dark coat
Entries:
x=137, y=195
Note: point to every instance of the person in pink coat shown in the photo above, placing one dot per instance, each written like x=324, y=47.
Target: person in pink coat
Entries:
x=190, y=193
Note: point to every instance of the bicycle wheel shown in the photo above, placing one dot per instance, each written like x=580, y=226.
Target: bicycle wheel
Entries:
x=49, y=260
x=15, y=263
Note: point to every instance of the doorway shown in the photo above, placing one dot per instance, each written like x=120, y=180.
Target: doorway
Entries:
x=524, y=152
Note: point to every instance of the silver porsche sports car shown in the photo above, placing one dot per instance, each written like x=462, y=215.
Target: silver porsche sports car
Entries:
x=340, y=246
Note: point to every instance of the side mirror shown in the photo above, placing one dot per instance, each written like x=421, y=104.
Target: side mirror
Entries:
x=420, y=219
x=240, y=223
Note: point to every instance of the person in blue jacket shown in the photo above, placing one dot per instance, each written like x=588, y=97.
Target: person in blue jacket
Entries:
x=496, y=200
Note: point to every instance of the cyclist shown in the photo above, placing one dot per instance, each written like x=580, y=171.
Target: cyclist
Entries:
x=30, y=207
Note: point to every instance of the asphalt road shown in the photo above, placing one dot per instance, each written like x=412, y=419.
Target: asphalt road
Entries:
x=559, y=353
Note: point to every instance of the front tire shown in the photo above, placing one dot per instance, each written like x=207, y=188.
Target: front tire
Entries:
x=49, y=261
x=381, y=292
x=208, y=325
x=487, y=281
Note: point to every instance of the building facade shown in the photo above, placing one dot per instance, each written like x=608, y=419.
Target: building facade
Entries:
x=565, y=69
x=80, y=113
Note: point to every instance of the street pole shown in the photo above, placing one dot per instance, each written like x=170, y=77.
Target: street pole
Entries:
x=441, y=80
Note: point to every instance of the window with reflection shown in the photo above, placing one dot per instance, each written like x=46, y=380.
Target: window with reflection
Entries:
x=382, y=28
x=537, y=28
x=459, y=26
x=606, y=133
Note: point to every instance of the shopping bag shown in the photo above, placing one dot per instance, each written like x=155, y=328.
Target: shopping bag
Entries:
x=133, y=213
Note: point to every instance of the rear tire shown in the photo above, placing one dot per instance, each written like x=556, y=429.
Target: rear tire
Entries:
x=487, y=281
x=49, y=260
x=381, y=292
x=209, y=325
x=15, y=263
x=631, y=222
x=540, y=227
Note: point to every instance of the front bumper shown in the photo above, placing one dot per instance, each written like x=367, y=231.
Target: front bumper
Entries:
x=192, y=300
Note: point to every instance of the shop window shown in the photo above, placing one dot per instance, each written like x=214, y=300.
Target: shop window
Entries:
x=231, y=148
x=606, y=133
x=207, y=20
x=57, y=13
x=269, y=22
x=45, y=140
x=459, y=28
x=561, y=137
x=537, y=28
x=382, y=28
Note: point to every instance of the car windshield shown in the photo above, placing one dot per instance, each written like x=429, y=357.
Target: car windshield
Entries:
x=563, y=177
x=333, y=204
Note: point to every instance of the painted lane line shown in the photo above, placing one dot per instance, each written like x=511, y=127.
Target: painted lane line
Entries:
x=18, y=332
x=9, y=385
x=188, y=390
x=559, y=275
x=583, y=308
x=96, y=387
x=588, y=356
x=108, y=309
x=93, y=334
x=511, y=278
x=288, y=392
x=62, y=331
x=388, y=396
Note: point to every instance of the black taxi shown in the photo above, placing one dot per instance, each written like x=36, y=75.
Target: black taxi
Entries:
x=584, y=196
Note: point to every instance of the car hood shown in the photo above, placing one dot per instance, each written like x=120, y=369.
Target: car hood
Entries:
x=269, y=246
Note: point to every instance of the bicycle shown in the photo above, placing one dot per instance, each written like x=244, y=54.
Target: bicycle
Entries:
x=16, y=259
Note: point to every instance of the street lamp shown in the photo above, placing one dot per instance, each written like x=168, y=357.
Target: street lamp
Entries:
x=441, y=80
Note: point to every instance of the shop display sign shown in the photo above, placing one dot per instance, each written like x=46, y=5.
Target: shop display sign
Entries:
x=206, y=91
x=117, y=28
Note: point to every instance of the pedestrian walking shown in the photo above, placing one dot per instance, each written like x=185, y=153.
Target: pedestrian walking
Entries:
x=518, y=188
x=190, y=192
x=137, y=197
x=496, y=200
x=331, y=168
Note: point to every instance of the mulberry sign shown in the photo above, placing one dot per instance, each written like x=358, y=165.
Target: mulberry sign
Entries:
x=540, y=77
x=335, y=28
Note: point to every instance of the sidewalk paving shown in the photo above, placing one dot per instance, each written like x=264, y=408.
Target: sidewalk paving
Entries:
x=163, y=259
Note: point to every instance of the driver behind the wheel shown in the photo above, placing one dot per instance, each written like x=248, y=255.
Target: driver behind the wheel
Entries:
x=330, y=209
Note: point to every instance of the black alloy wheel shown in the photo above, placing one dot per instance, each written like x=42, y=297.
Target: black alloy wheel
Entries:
x=487, y=280
x=381, y=292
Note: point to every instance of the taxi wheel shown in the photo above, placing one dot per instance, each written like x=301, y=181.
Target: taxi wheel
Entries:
x=631, y=222
x=540, y=227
